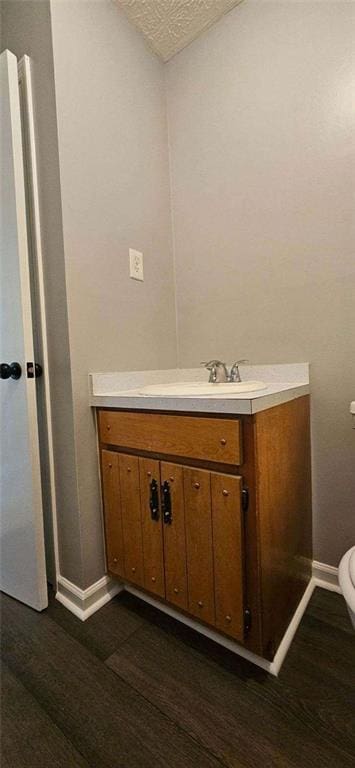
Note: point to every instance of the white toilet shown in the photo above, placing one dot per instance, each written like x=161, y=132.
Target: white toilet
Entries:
x=346, y=572
x=346, y=577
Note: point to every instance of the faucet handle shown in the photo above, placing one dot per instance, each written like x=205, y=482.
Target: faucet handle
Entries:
x=240, y=362
x=211, y=363
x=234, y=372
x=218, y=371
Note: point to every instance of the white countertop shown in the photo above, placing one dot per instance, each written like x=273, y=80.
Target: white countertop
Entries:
x=122, y=389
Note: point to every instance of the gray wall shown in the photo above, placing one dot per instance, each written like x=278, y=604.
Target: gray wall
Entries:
x=115, y=194
x=261, y=183
x=26, y=29
x=260, y=127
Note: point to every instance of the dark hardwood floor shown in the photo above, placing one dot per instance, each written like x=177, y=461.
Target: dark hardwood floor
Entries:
x=132, y=688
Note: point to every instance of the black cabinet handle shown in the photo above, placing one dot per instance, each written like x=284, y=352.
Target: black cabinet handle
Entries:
x=12, y=371
x=166, y=503
x=154, y=500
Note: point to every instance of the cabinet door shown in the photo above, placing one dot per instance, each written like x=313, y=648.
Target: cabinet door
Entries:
x=131, y=518
x=152, y=533
x=112, y=512
x=174, y=536
x=198, y=523
x=228, y=553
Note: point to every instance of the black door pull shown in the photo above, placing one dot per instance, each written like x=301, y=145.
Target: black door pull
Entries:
x=12, y=371
x=166, y=503
x=154, y=500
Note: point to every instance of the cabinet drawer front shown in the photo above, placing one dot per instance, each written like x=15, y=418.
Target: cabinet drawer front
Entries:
x=190, y=436
x=131, y=519
x=199, y=547
x=174, y=537
x=228, y=553
x=112, y=512
x=152, y=533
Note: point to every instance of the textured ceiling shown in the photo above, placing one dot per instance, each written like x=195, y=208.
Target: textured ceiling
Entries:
x=170, y=25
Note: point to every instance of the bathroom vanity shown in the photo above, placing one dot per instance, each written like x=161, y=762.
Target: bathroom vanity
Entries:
x=207, y=503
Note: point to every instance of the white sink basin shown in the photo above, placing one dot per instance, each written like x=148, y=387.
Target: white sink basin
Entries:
x=201, y=389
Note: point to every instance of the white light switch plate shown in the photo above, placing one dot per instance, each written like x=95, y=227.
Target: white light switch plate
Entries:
x=136, y=264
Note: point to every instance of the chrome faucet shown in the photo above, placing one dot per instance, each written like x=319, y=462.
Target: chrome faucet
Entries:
x=219, y=372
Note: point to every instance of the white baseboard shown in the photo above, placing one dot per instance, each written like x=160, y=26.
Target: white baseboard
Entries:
x=231, y=645
x=291, y=630
x=274, y=666
x=84, y=602
x=325, y=576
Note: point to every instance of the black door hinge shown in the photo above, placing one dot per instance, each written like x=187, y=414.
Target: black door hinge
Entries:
x=34, y=370
x=245, y=499
x=247, y=620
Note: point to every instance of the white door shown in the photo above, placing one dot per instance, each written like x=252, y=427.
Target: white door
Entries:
x=22, y=555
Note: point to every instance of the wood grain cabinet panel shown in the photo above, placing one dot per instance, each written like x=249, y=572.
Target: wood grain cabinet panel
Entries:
x=283, y=465
x=174, y=537
x=152, y=533
x=131, y=518
x=199, y=551
x=228, y=553
x=112, y=512
x=206, y=439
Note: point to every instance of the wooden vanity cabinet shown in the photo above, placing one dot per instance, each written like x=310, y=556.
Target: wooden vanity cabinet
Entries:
x=227, y=543
x=187, y=547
